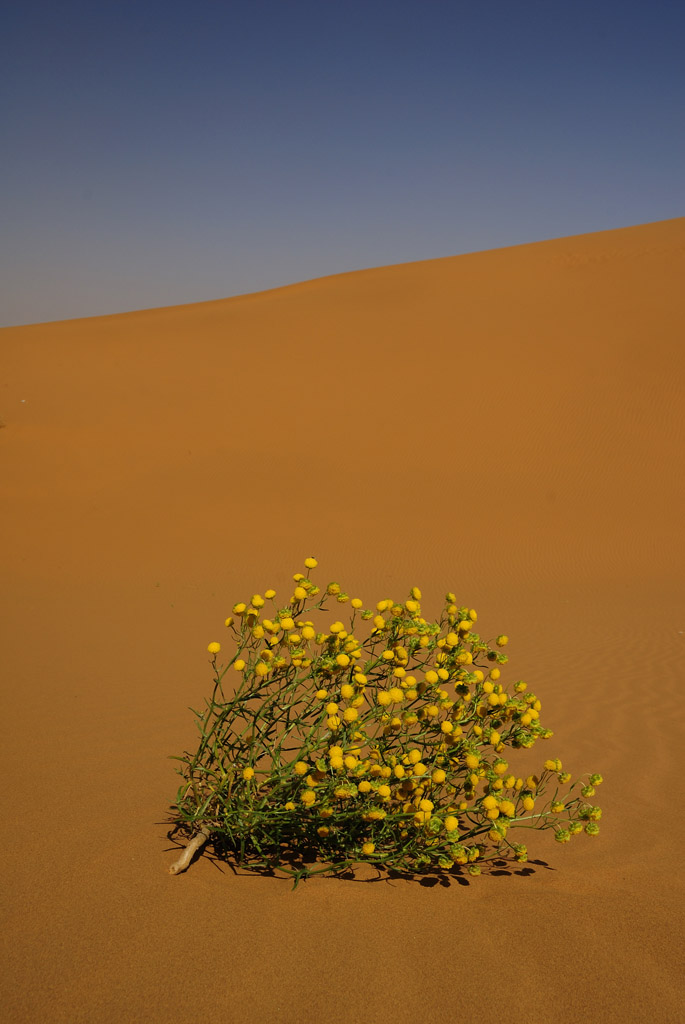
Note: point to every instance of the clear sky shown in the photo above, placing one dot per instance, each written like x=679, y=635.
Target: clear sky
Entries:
x=157, y=153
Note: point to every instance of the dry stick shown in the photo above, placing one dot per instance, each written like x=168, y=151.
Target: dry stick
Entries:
x=184, y=860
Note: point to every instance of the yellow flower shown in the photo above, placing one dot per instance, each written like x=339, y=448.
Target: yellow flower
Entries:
x=214, y=648
x=336, y=762
x=342, y=660
x=396, y=695
x=416, y=593
x=399, y=771
x=248, y=773
x=446, y=727
x=261, y=669
x=364, y=786
x=290, y=806
x=356, y=602
x=368, y=848
x=301, y=767
x=507, y=807
x=308, y=632
x=321, y=694
x=287, y=623
x=331, y=708
x=239, y=609
x=299, y=594
x=323, y=831
x=438, y=776
x=350, y=714
x=451, y=823
x=414, y=756
x=384, y=790
x=384, y=698
x=431, y=677
x=472, y=760
x=257, y=601
x=308, y=797
x=502, y=640
x=269, y=594
x=420, y=768
x=310, y=563
x=333, y=723
x=239, y=665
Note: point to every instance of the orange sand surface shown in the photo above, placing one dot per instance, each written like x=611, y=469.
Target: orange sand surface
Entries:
x=504, y=424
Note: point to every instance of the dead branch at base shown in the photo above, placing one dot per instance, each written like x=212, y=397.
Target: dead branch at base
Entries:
x=189, y=852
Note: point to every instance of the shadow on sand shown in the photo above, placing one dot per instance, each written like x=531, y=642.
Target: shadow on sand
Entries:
x=305, y=865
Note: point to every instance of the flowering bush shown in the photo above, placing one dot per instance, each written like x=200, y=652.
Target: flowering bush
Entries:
x=381, y=738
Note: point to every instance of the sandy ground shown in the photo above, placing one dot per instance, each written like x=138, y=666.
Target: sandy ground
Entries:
x=503, y=424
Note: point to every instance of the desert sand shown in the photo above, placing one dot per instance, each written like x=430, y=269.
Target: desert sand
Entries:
x=504, y=424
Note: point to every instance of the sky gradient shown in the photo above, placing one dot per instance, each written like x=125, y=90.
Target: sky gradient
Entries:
x=163, y=153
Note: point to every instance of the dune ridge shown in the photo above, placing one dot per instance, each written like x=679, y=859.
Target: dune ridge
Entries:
x=506, y=424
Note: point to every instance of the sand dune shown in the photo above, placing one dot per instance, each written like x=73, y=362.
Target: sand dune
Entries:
x=505, y=424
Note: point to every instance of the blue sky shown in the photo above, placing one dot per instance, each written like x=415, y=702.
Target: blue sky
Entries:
x=161, y=153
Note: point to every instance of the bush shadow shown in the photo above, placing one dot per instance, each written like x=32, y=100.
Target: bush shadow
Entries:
x=296, y=867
